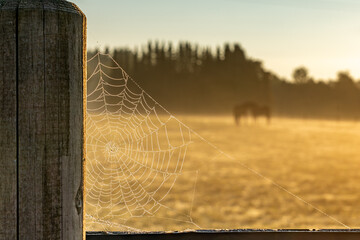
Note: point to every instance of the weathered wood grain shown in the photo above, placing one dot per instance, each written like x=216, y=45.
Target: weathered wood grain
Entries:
x=31, y=119
x=44, y=121
x=8, y=189
x=52, y=165
x=72, y=28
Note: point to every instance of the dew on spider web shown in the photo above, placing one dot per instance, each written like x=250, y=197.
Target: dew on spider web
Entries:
x=144, y=166
x=135, y=150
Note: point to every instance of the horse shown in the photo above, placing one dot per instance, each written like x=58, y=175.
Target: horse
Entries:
x=252, y=109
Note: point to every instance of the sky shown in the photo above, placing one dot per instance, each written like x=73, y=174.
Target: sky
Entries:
x=322, y=35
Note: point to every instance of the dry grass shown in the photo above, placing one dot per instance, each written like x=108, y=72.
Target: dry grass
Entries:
x=318, y=161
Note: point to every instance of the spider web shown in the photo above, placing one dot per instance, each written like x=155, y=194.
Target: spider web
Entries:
x=135, y=149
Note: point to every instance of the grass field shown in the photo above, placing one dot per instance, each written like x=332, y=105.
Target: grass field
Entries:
x=233, y=186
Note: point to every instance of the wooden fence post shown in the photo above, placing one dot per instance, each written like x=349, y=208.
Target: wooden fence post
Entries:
x=42, y=72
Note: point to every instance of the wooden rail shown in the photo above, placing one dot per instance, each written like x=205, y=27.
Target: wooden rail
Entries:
x=246, y=234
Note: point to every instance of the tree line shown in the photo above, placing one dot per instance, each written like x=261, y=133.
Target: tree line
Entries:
x=192, y=79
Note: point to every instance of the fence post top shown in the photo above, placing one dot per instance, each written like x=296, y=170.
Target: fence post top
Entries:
x=52, y=5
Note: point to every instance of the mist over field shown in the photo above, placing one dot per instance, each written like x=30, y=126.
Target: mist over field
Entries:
x=316, y=160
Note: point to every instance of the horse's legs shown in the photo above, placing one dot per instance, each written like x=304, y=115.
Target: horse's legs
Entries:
x=268, y=120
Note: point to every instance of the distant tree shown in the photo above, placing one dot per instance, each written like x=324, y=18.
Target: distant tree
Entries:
x=358, y=83
x=345, y=80
x=300, y=75
x=107, y=50
x=192, y=78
